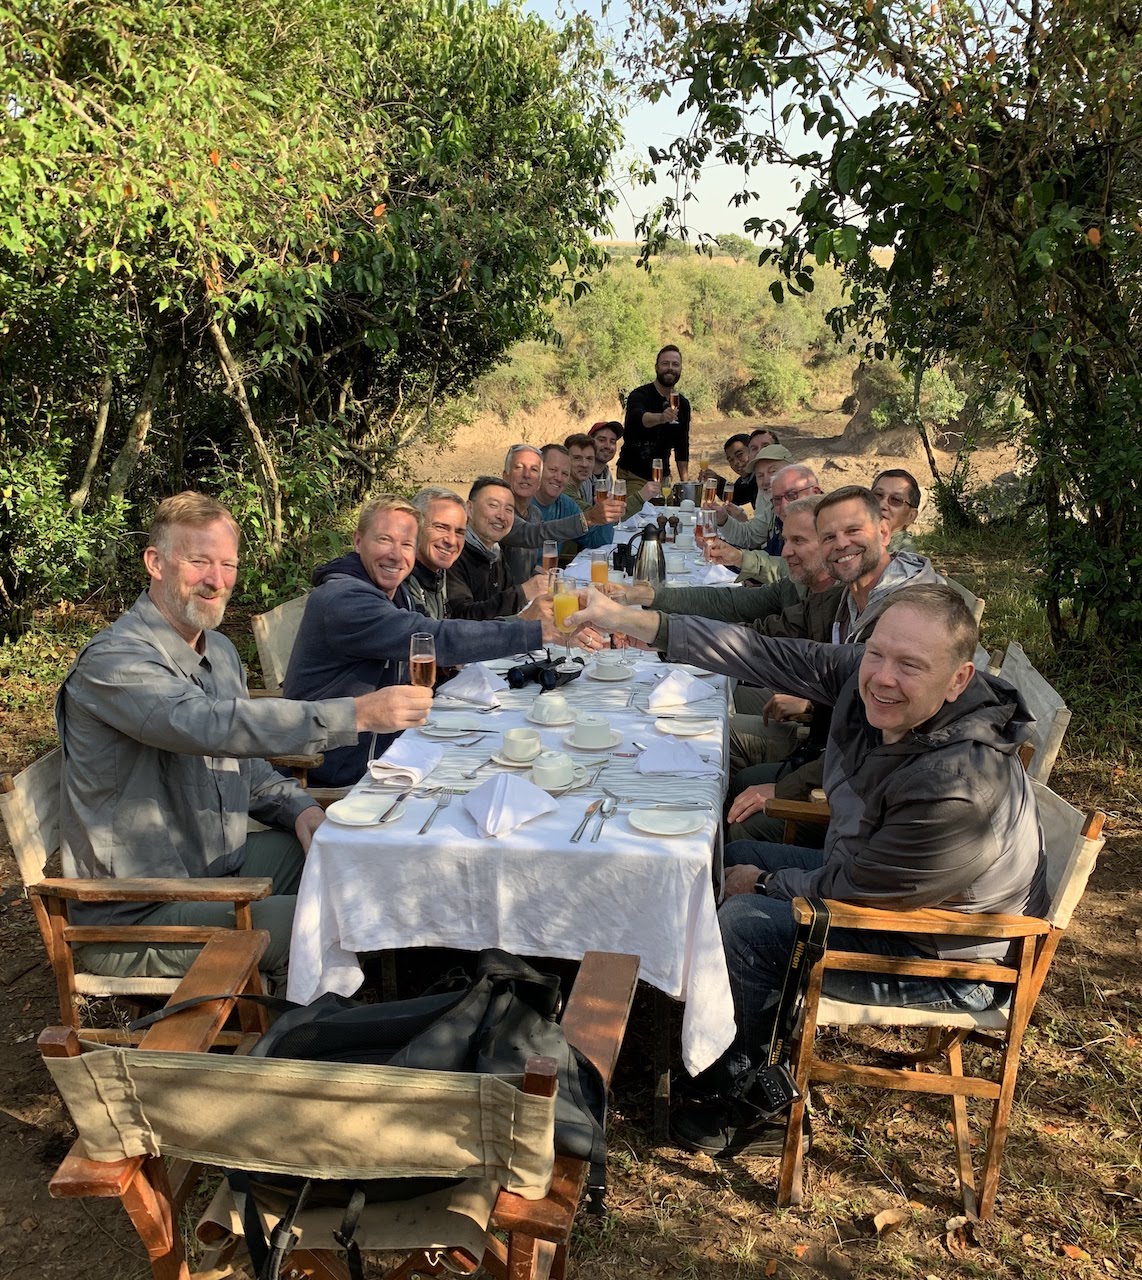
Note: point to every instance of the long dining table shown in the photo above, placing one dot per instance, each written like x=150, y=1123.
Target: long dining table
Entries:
x=383, y=886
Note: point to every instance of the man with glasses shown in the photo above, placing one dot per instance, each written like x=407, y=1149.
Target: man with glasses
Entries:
x=754, y=533
x=899, y=497
x=523, y=471
x=763, y=563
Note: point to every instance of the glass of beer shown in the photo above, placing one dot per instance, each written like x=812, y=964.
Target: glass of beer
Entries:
x=600, y=567
x=422, y=660
x=550, y=555
x=565, y=602
x=656, y=470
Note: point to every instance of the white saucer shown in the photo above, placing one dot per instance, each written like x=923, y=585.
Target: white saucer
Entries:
x=551, y=724
x=622, y=672
x=364, y=811
x=666, y=822
x=616, y=738
x=685, y=728
x=576, y=782
x=451, y=730
x=516, y=764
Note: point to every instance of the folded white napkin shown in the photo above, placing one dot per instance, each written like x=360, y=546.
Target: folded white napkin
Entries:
x=505, y=802
x=477, y=684
x=409, y=760
x=711, y=574
x=668, y=756
x=678, y=688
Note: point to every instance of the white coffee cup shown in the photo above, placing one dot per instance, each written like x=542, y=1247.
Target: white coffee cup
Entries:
x=687, y=504
x=550, y=708
x=521, y=744
x=611, y=659
x=675, y=563
x=591, y=730
x=553, y=769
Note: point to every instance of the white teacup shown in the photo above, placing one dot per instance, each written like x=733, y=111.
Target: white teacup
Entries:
x=549, y=708
x=687, y=504
x=521, y=744
x=591, y=730
x=611, y=659
x=553, y=769
x=675, y=563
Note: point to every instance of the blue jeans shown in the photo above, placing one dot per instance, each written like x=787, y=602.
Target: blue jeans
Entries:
x=758, y=934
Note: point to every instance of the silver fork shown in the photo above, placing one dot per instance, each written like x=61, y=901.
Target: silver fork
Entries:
x=443, y=800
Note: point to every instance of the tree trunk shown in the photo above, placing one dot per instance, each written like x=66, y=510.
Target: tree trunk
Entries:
x=164, y=359
x=79, y=497
x=271, y=488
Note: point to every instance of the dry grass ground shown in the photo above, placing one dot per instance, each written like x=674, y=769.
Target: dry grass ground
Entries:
x=1071, y=1195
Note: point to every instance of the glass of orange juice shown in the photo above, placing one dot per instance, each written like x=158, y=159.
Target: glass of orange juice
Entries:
x=600, y=567
x=565, y=602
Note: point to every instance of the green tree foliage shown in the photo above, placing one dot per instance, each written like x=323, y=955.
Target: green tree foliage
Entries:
x=976, y=168
x=264, y=245
x=742, y=352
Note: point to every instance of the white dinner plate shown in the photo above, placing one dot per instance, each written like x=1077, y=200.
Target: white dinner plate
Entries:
x=667, y=822
x=364, y=811
x=616, y=738
x=516, y=764
x=685, y=728
x=457, y=730
x=617, y=676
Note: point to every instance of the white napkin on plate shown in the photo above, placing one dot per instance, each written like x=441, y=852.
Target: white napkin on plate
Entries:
x=505, y=802
x=712, y=574
x=680, y=758
x=409, y=760
x=678, y=688
x=476, y=684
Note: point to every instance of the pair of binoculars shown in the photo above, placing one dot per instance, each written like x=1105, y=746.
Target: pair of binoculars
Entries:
x=544, y=673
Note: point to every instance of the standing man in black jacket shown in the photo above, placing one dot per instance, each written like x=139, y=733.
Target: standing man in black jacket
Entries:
x=653, y=427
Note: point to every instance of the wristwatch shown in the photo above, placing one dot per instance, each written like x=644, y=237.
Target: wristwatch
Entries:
x=762, y=884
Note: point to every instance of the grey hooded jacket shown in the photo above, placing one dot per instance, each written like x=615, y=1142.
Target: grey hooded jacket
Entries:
x=944, y=818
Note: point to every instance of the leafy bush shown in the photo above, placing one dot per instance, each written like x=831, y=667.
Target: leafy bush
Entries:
x=777, y=381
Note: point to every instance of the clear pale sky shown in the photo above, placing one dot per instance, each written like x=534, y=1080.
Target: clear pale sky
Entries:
x=649, y=125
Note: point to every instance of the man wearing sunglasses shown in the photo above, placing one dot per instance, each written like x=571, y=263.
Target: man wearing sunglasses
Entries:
x=899, y=497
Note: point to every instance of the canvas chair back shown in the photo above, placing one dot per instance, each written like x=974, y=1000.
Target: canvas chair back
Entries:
x=29, y=804
x=973, y=602
x=274, y=633
x=308, y=1118
x=1072, y=848
x=1052, y=715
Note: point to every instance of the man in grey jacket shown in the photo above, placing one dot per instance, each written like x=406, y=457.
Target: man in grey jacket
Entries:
x=930, y=807
x=162, y=751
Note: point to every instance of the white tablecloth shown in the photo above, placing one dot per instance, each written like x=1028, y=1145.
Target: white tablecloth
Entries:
x=532, y=891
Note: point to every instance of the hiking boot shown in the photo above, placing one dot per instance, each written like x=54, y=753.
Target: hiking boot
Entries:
x=725, y=1127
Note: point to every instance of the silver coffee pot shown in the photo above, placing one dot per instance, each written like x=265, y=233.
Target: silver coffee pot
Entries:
x=651, y=563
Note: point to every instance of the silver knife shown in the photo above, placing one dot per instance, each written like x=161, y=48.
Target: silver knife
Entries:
x=592, y=809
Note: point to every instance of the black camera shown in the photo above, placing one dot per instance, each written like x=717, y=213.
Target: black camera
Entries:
x=544, y=673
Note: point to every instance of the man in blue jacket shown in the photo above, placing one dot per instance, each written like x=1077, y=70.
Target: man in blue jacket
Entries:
x=354, y=636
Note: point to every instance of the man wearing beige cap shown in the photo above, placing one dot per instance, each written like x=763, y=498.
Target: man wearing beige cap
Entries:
x=754, y=534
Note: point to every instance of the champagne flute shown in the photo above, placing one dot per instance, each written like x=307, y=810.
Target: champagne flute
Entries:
x=709, y=532
x=550, y=555
x=422, y=660
x=656, y=470
x=674, y=401
x=565, y=602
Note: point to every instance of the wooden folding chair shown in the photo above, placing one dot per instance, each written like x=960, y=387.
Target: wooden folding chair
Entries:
x=537, y=1229
x=30, y=807
x=1073, y=841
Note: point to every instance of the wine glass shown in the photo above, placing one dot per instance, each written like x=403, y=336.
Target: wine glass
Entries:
x=550, y=555
x=565, y=602
x=422, y=660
